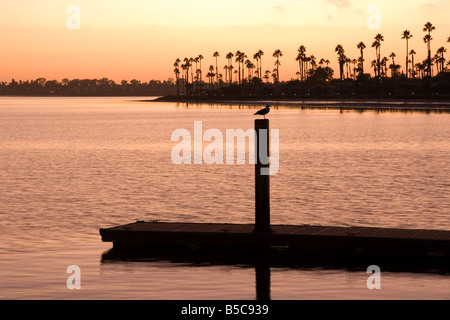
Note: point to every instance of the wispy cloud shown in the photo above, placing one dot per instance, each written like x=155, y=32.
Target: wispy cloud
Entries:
x=339, y=3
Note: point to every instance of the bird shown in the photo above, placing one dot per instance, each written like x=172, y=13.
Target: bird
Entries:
x=264, y=111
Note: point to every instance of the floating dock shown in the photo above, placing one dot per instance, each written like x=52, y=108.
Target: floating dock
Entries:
x=318, y=239
x=330, y=242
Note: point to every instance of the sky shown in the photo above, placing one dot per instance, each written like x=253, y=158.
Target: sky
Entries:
x=141, y=39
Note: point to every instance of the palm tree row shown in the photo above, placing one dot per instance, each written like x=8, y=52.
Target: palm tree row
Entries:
x=190, y=69
x=380, y=64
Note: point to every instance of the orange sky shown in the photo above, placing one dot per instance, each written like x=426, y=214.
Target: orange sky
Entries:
x=140, y=39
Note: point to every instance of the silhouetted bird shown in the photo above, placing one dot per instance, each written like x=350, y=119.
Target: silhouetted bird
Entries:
x=264, y=111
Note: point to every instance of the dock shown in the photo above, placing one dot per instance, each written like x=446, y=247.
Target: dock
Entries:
x=317, y=239
x=274, y=243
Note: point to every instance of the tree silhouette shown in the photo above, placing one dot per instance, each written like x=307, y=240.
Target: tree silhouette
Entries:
x=393, y=66
x=277, y=54
x=211, y=76
x=200, y=58
x=406, y=36
x=260, y=54
x=440, y=58
x=176, y=70
x=257, y=56
x=216, y=55
x=301, y=60
x=267, y=75
x=428, y=27
x=361, y=46
x=341, y=59
x=377, y=45
x=230, y=56
x=225, y=67
x=238, y=59
x=230, y=69
x=191, y=61
x=413, y=73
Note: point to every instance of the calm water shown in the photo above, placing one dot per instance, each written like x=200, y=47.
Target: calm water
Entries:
x=70, y=166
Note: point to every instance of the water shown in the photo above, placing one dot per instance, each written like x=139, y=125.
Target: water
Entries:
x=70, y=166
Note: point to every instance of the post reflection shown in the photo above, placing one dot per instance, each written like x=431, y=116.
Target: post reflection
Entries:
x=264, y=261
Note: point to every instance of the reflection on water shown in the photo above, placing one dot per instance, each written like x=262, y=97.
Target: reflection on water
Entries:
x=263, y=262
x=70, y=166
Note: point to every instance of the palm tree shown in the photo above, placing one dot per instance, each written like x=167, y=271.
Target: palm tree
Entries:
x=230, y=56
x=274, y=75
x=184, y=68
x=436, y=59
x=393, y=66
x=440, y=52
x=238, y=60
x=225, y=67
x=176, y=65
x=215, y=55
x=200, y=58
x=230, y=70
x=313, y=62
x=301, y=59
x=258, y=56
x=428, y=27
x=406, y=36
x=377, y=45
x=177, y=76
x=306, y=60
x=277, y=54
x=384, y=62
x=412, y=53
x=321, y=62
x=188, y=64
x=427, y=39
x=347, y=62
x=421, y=68
x=300, y=65
x=267, y=75
x=354, y=62
x=211, y=75
x=361, y=46
x=197, y=70
x=373, y=64
x=191, y=60
x=242, y=60
x=341, y=59
x=250, y=66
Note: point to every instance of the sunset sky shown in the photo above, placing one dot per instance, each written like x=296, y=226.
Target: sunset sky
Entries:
x=140, y=39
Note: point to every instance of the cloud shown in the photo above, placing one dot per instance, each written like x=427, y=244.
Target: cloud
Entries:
x=429, y=5
x=339, y=3
x=278, y=8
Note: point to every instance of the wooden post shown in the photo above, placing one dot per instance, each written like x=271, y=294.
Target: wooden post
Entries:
x=262, y=185
x=262, y=273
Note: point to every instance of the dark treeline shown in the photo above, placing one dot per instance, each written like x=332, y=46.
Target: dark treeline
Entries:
x=320, y=84
x=88, y=87
x=244, y=76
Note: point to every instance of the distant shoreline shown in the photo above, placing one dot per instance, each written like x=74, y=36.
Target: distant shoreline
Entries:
x=351, y=103
x=321, y=103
